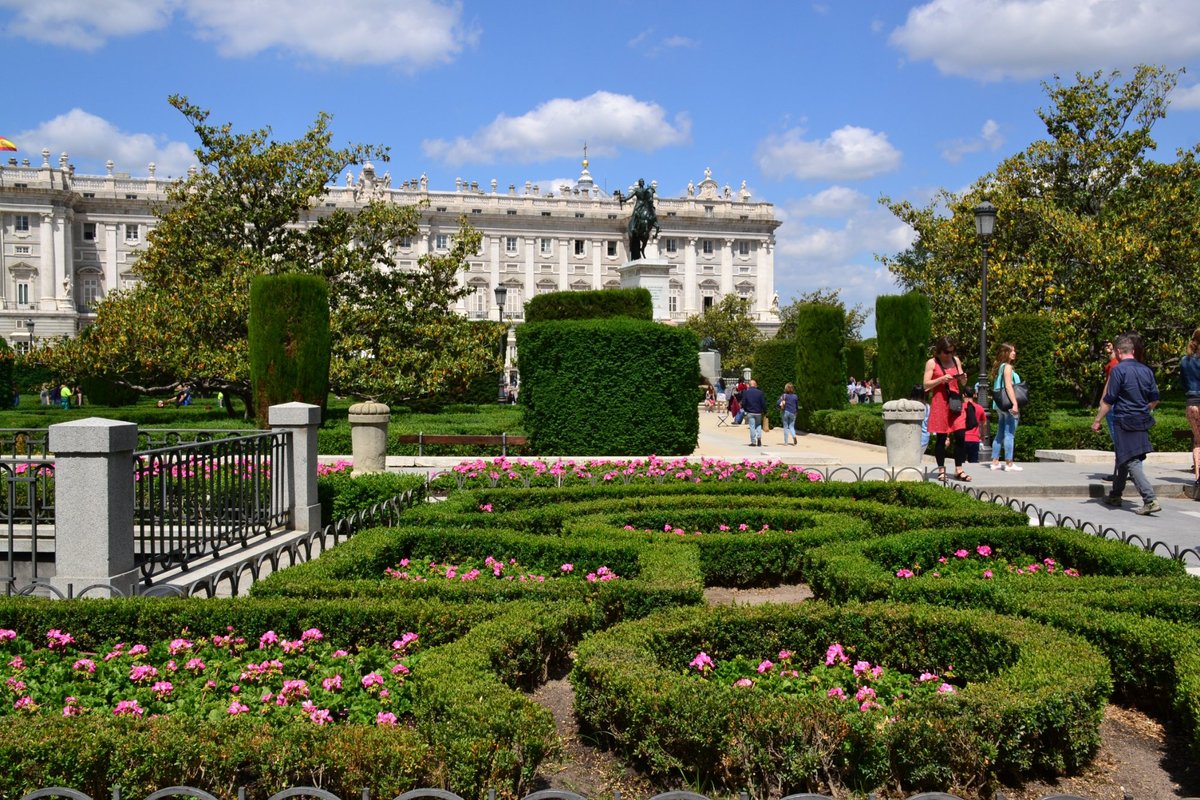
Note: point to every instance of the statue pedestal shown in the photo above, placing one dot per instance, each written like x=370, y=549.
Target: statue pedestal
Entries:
x=653, y=275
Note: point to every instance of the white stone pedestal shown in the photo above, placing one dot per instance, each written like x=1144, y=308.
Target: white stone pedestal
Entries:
x=902, y=430
x=654, y=275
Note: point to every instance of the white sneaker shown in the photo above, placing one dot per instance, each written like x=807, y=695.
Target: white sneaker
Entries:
x=996, y=466
x=1013, y=468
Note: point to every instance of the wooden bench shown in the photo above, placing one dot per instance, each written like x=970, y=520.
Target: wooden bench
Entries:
x=503, y=440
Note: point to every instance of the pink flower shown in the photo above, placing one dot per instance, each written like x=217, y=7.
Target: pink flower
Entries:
x=837, y=692
x=835, y=653
x=7, y=635
x=987, y=573
x=177, y=646
x=139, y=650
x=85, y=665
x=984, y=550
x=764, y=666
x=333, y=684
x=404, y=641
x=128, y=708
x=743, y=682
x=162, y=688
x=400, y=669
x=946, y=688
x=701, y=662
x=865, y=693
x=567, y=567
x=926, y=677
x=904, y=573
x=195, y=665
x=25, y=704
x=861, y=666
x=486, y=508
x=237, y=707
x=385, y=719
x=784, y=655
x=371, y=680
x=71, y=709
x=267, y=639
x=960, y=553
x=57, y=639
x=140, y=673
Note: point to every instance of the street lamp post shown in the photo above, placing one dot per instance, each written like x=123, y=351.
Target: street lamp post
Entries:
x=501, y=296
x=29, y=324
x=985, y=225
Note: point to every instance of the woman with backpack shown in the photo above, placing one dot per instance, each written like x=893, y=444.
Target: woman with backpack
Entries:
x=944, y=380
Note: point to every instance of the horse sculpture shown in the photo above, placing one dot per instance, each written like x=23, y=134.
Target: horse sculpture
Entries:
x=642, y=221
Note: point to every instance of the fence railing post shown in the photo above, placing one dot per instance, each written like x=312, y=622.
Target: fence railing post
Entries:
x=302, y=420
x=93, y=504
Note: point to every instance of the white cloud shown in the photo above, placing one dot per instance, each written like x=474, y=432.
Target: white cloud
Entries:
x=1188, y=98
x=829, y=240
x=78, y=24
x=850, y=153
x=88, y=138
x=415, y=33
x=559, y=127
x=649, y=44
x=1036, y=38
x=410, y=33
x=989, y=138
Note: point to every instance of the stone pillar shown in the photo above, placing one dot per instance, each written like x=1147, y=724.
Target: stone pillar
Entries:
x=300, y=472
x=902, y=431
x=94, y=502
x=368, y=436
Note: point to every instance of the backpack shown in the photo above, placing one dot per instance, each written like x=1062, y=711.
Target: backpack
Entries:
x=972, y=418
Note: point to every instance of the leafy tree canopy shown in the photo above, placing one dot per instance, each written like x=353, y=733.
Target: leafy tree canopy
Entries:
x=253, y=209
x=732, y=330
x=856, y=316
x=1090, y=230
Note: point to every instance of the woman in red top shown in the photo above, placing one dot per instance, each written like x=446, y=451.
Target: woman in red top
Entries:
x=944, y=378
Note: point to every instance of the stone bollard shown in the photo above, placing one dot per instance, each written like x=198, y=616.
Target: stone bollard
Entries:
x=902, y=431
x=368, y=436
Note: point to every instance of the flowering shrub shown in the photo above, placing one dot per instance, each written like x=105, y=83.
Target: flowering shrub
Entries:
x=271, y=678
x=502, y=471
x=986, y=562
x=500, y=569
x=740, y=527
x=854, y=686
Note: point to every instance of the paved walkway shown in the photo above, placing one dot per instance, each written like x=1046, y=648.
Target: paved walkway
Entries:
x=1067, y=487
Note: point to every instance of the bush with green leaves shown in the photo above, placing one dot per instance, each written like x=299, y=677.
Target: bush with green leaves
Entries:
x=615, y=386
x=290, y=345
x=820, y=359
x=1033, y=336
x=903, y=330
x=599, y=304
x=775, y=367
x=1021, y=698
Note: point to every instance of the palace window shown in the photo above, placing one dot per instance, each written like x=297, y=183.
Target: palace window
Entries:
x=510, y=244
x=612, y=249
x=22, y=293
x=672, y=246
x=512, y=212
x=406, y=242
x=441, y=241
x=547, y=245
x=707, y=247
x=580, y=247
x=91, y=291
x=89, y=231
x=743, y=248
x=22, y=250
x=132, y=233
x=21, y=222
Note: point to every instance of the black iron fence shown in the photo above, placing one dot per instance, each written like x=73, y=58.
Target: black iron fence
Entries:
x=442, y=794
x=196, y=499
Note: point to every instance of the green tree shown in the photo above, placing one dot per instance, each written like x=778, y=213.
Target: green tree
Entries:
x=253, y=209
x=856, y=315
x=732, y=330
x=1091, y=231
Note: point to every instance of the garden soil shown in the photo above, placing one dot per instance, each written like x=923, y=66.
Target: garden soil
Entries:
x=1139, y=758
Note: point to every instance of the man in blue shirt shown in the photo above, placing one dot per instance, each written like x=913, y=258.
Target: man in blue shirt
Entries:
x=754, y=403
x=1131, y=395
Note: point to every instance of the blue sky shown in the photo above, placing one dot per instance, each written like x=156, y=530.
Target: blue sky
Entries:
x=820, y=107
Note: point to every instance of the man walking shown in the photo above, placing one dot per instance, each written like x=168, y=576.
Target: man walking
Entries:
x=1131, y=394
x=754, y=403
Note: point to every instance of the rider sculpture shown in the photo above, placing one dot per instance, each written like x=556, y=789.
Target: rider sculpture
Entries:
x=644, y=219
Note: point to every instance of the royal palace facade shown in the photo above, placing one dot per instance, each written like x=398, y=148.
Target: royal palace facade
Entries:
x=66, y=240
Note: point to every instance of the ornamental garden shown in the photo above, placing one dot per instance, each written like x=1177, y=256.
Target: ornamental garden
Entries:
x=951, y=646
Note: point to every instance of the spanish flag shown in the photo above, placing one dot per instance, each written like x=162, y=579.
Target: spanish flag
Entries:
x=6, y=144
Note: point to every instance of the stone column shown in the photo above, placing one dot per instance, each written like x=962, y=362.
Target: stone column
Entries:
x=300, y=472
x=47, y=269
x=94, y=501
x=368, y=436
x=902, y=431
x=691, y=286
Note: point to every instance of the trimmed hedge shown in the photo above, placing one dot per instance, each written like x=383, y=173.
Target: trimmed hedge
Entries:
x=609, y=387
x=599, y=304
x=342, y=494
x=775, y=367
x=1033, y=336
x=289, y=341
x=473, y=730
x=903, y=325
x=820, y=359
x=1032, y=703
